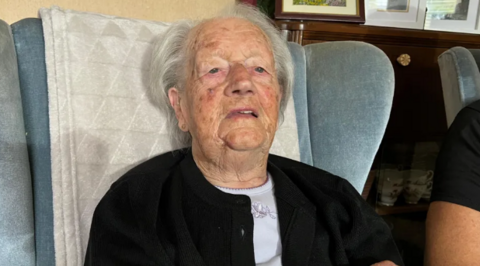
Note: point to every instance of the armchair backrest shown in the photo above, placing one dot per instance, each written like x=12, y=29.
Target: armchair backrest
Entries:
x=459, y=71
x=347, y=89
x=16, y=204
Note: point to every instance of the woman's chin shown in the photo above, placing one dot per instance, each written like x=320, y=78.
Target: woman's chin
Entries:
x=245, y=140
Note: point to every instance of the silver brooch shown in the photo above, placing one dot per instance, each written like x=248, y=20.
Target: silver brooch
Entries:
x=259, y=211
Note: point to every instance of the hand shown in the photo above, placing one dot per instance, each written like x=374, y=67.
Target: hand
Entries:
x=385, y=263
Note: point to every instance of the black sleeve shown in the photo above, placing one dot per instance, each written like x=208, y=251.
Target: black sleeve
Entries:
x=457, y=171
x=369, y=239
x=115, y=238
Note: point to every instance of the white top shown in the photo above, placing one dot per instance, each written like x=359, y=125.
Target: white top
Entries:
x=266, y=230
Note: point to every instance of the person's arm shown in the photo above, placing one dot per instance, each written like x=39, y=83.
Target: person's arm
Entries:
x=453, y=220
x=453, y=235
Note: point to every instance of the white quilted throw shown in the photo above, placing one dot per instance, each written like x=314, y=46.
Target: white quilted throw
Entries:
x=102, y=122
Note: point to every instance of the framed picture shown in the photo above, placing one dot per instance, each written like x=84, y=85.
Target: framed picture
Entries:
x=452, y=15
x=327, y=10
x=396, y=13
x=477, y=31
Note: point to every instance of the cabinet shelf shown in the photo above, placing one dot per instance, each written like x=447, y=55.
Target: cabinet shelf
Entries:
x=370, y=194
x=401, y=207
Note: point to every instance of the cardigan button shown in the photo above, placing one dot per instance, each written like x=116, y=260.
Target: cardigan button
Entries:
x=242, y=232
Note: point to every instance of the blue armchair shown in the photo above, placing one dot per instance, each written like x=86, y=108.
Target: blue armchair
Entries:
x=16, y=199
x=459, y=70
x=343, y=95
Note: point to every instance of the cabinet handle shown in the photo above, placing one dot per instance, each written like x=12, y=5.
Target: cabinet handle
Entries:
x=404, y=59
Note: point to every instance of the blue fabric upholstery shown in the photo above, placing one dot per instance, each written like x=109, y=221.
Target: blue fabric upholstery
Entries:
x=459, y=70
x=17, y=246
x=28, y=36
x=300, y=99
x=476, y=56
x=350, y=88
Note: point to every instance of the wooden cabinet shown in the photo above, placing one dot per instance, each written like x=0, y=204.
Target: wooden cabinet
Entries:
x=418, y=112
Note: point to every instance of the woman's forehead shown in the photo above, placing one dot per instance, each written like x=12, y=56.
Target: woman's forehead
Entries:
x=215, y=32
x=226, y=37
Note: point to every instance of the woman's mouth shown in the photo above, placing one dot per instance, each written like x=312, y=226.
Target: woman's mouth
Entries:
x=243, y=112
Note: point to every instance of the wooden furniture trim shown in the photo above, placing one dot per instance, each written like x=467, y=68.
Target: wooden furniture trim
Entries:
x=368, y=184
x=313, y=31
x=420, y=207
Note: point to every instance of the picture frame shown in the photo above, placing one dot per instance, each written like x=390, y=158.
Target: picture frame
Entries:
x=325, y=10
x=408, y=14
x=462, y=16
x=477, y=28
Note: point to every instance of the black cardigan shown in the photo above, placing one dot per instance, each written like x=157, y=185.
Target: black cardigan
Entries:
x=164, y=212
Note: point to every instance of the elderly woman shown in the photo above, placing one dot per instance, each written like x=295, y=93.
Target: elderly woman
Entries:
x=226, y=200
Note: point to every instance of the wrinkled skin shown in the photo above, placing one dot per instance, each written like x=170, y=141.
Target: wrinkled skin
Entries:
x=231, y=70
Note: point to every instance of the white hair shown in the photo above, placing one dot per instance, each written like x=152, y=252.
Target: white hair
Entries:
x=169, y=61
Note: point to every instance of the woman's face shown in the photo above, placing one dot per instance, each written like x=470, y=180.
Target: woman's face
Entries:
x=232, y=95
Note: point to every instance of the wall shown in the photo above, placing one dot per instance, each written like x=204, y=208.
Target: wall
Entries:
x=161, y=10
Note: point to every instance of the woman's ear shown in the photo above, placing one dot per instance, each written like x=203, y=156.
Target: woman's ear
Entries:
x=175, y=98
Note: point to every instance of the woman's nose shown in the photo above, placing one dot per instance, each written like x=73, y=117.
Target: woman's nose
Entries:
x=240, y=82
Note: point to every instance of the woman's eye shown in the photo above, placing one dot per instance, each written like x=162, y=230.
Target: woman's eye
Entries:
x=213, y=70
x=260, y=69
